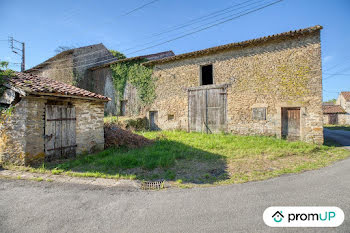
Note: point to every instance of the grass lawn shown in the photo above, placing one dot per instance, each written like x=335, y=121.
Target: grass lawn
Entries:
x=189, y=159
x=338, y=127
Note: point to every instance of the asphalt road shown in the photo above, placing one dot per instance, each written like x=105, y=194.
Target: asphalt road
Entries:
x=30, y=206
x=341, y=136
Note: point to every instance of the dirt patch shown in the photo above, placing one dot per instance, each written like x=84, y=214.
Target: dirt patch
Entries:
x=116, y=137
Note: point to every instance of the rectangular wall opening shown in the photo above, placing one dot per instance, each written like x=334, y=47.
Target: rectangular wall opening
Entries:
x=207, y=75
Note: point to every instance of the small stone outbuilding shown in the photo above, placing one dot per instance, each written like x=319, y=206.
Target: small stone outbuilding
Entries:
x=334, y=115
x=50, y=120
x=267, y=86
x=344, y=101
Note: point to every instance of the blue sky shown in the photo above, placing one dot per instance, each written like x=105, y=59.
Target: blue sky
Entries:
x=45, y=25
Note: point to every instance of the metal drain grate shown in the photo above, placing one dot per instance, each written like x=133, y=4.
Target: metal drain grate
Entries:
x=152, y=185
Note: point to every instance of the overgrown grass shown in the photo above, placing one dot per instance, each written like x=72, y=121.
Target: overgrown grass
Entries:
x=338, y=127
x=190, y=159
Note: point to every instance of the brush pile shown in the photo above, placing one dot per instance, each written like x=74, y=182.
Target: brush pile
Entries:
x=116, y=137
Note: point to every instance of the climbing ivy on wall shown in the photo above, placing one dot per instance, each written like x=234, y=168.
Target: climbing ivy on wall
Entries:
x=4, y=74
x=136, y=74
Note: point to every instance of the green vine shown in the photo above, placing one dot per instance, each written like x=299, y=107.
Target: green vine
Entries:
x=137, y=75
x=4, y=75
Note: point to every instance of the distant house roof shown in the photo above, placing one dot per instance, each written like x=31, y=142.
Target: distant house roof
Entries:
x=331, y=109
x=149, y=57
x=63, y=55
x=32, y=84
x=221, y=48
x=328, y=103
x=346, y=95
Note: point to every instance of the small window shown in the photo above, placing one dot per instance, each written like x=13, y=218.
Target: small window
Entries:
x=259, y=114
x=207, y=75
x=170, y=117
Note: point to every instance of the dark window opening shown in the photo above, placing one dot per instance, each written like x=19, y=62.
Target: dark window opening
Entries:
x=207, y=75
x=171, y=117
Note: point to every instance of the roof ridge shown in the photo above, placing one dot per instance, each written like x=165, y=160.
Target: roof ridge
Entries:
x=34, y=84
x=235, y=44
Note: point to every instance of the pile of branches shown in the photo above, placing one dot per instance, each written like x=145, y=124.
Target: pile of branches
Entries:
x=117, y=137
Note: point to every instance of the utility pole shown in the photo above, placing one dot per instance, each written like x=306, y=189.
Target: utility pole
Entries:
x=20, y=52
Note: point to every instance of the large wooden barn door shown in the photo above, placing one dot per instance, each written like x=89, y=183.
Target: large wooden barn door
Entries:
x=207, y=110
x=59, y=132
x=291, y=123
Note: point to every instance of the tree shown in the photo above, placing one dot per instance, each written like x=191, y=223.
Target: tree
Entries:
x=61, y=48
x=117, y=54
x=331, y=101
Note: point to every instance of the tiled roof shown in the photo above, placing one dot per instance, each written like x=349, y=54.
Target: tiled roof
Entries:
x=33, y=84
x=220, y=48
x=328, y=109
x=149, y=57
x=346, y=95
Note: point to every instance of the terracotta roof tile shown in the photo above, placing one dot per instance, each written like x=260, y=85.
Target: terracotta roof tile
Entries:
x=33, y=84
x=236, y=45
x=328, y=109
x=346, y=95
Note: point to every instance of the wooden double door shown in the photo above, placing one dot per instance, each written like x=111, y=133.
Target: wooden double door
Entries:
x=60, y=132
x=207, y=110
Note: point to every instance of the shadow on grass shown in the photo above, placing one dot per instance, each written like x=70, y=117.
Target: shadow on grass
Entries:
x=164, y=159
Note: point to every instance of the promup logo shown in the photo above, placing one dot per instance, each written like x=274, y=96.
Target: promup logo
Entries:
x=278, y=216
x=305, y=216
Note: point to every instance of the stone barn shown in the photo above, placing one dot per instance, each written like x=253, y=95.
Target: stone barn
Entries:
x=334, y=115
x=72, y=67
x=266, y=86
x=50, y=120
x=128, y=104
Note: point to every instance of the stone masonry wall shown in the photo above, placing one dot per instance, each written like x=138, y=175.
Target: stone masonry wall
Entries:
x=60, y=69
x=89, y=126
x=346, y=106
x=12, y=135
x=103, y=84
x=343, y=119
x=274, y=74
x=22, y=135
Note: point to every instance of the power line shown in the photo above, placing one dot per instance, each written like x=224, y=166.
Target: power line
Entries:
x=199, y=25
x=210, y=26
x=245, y=13
x=87, y=54
x=138, y=8
x=333, y=75
x=195, y=21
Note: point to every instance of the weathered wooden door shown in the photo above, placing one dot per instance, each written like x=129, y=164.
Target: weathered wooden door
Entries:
x=207, y=110
x=153, y=117
x=60, y=126
x=291, y=123
x=333, y=119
